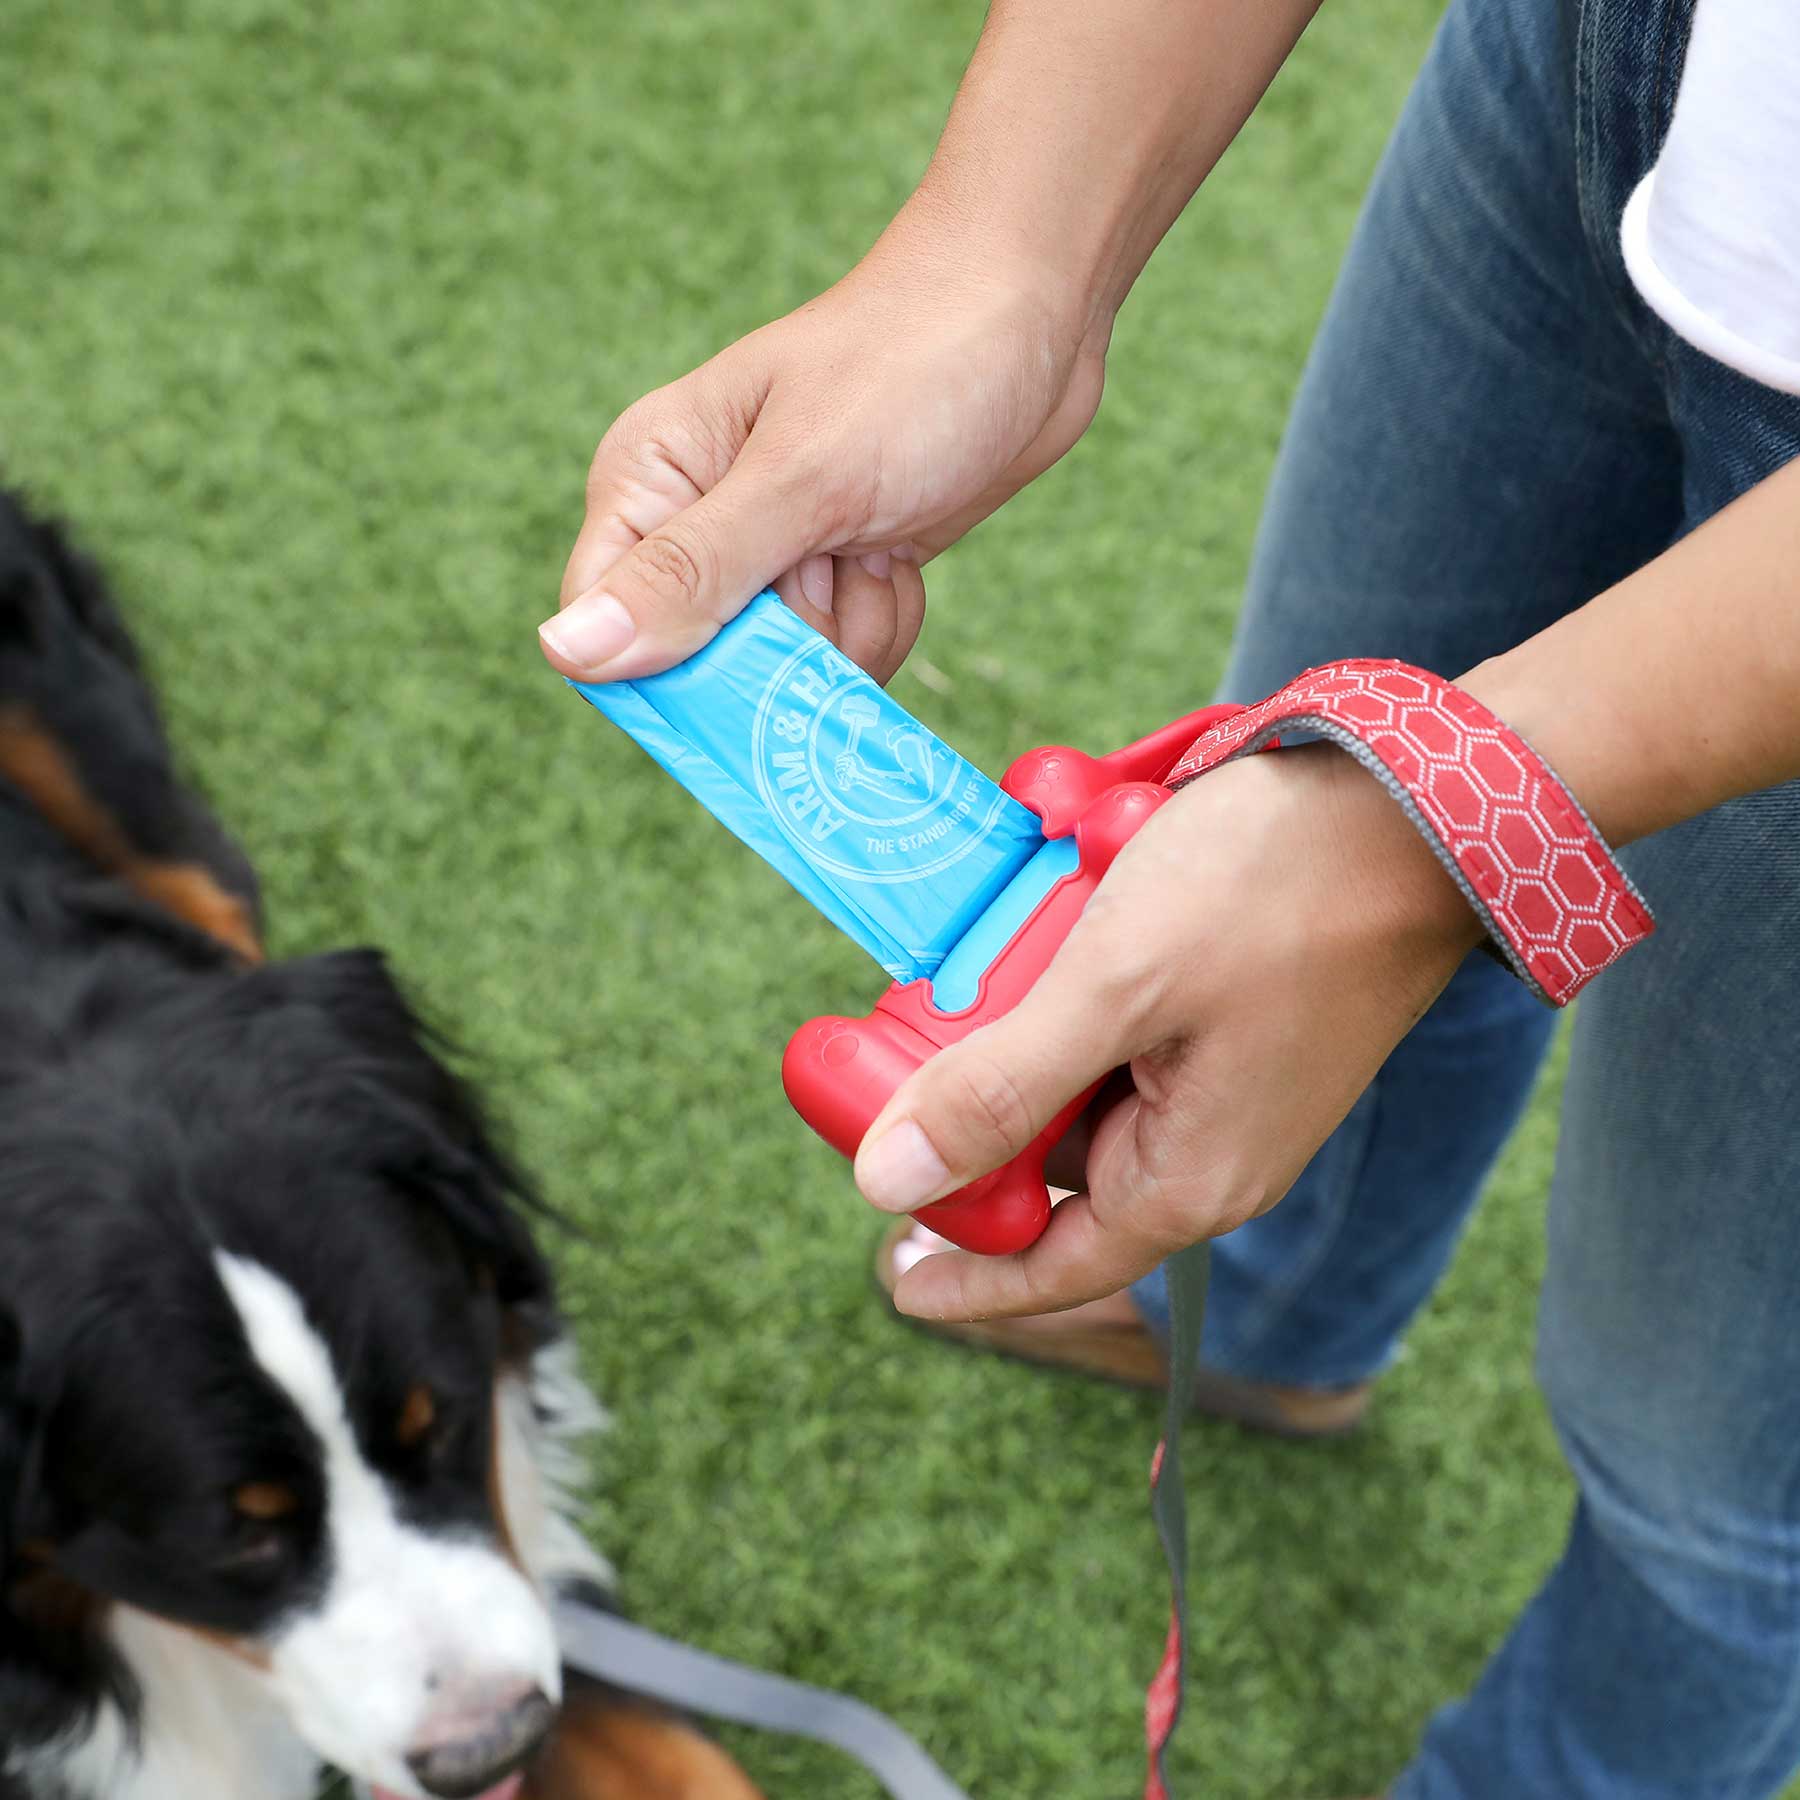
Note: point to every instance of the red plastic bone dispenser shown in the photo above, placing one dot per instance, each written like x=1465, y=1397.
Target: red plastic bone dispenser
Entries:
x=839, y=1073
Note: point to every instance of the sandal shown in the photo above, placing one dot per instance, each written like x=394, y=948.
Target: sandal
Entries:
x=1100, y=1341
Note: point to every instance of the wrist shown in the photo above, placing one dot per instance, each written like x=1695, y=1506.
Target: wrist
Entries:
x=1503, y=825
x=1379, y=904
x=1570, y=722
x=1393, y=877
x=959, y=237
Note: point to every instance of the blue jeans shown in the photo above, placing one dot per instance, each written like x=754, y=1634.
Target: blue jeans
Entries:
x=1492, y=428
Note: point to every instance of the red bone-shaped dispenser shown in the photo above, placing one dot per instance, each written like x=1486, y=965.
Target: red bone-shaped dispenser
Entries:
x=840, y=1073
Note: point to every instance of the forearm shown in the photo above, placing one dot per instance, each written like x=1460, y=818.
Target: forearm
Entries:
x=1083, y=127
x=1680, y=687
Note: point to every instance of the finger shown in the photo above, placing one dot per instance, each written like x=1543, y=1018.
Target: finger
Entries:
x=657, y=459
x=874, y=620
x=816, y=579
x=979, y=1103
x=636, y=505
x=1067, y=1164
x=866, y=617
x=1079, y=1257
x=669, y=594
x=909, y=615
x=811, y=591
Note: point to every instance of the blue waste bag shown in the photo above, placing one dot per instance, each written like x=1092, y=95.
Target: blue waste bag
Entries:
x=899, y=841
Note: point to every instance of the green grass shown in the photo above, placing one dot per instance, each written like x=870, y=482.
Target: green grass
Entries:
x=310, y=317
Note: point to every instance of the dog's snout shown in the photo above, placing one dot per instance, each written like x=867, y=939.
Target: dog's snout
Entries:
x=467, y=1762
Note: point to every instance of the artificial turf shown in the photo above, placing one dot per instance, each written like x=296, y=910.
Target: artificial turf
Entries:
x=309, y=317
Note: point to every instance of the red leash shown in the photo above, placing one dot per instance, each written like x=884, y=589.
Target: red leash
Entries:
x=1556, y=904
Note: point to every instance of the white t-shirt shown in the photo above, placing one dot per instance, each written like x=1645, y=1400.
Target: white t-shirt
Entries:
x=1712, y=235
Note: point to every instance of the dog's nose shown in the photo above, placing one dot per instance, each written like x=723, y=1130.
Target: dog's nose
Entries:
x=468, y=1763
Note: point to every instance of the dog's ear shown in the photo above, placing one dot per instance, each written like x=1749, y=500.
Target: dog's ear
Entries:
x=435, y=1140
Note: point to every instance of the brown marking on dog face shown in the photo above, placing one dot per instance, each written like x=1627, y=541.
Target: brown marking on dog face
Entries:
x=607, y=1748
x=262, y=1500
x=418, y=1413
x=35, y=763
x=44, y=1599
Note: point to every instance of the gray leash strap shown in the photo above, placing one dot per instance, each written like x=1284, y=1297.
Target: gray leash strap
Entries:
x=641, y=1661
x=644, y=1662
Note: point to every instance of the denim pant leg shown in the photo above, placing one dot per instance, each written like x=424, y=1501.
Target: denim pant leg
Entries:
x=1478, y=446
x=1661, y=1660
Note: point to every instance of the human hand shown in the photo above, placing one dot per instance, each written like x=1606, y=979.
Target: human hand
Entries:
x=836, y=450
x=1251, y=958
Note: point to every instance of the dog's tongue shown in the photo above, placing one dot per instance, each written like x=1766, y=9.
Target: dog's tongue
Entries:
x=507, y=1790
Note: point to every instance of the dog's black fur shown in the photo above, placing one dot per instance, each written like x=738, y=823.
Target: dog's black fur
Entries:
x=163, y=1098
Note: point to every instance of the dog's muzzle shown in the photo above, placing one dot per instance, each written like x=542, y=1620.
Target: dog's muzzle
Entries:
x=465, y=1767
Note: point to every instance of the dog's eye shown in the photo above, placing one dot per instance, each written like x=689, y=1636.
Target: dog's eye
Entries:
x=259, y=1529
x=262, y=1501
x=431, y=1433
x=419, y=1419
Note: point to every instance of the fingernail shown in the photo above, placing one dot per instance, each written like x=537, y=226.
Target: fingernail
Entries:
x=878, y=563
x=905, y=553
x=589, y=632
x=908, y=1307
x=816, y=582
x=901, y=1170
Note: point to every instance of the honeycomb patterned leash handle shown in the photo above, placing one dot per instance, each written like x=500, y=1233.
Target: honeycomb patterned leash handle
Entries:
x=1554, y=900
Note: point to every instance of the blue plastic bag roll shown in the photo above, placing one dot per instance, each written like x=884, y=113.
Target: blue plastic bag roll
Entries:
x=881, y=825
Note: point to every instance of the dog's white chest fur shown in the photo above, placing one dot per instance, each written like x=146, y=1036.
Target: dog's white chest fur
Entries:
x=208, y=1729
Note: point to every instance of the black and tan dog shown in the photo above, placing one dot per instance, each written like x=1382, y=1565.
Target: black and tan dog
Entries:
x=285, y=1410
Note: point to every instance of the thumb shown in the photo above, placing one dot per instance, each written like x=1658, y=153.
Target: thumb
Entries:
x=670, y=593
x=979, y=1103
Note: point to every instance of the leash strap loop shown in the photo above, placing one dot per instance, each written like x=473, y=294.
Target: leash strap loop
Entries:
x=1555, y=902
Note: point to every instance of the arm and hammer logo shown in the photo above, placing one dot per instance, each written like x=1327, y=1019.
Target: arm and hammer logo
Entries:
x=862, y=789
